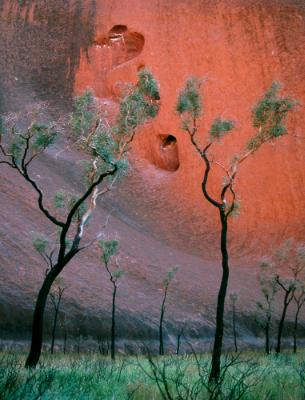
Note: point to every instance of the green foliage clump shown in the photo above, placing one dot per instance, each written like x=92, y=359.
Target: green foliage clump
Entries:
x=40, y=243
x=109, y=144
x=269, y=115
x=148, y=85
x=140, y=104
x=43, y=137
x=189, y=99
x=64, y=201
x=219, y=128
x=84, y=114
x=31, y=142
x=170, y=276
x=110, y=248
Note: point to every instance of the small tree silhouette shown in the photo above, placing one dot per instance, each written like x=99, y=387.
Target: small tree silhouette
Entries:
x=269, y=289
x=298, y=268
x=110, y=249
x=166, y=283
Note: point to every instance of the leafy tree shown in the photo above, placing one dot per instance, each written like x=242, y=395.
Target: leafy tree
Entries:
x=166, y=283
x=110, y=249
x=107, y=149
x=268, y=120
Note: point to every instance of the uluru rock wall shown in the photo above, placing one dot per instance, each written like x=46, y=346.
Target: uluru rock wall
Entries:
x=239, y=47
x=53, y=49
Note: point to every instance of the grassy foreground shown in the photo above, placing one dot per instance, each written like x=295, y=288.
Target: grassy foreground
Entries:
x=247, y=376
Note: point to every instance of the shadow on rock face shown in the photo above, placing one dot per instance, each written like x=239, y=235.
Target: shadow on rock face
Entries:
x=40, y=43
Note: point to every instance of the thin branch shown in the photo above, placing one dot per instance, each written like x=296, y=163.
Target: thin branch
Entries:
x=78, y=236
x=42, y=208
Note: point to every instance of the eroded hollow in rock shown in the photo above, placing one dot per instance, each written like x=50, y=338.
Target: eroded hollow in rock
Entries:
x=167, y=153
x=118, y=29
x=120, y=45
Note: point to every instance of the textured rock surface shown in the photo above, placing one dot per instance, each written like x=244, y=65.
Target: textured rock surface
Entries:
x=54, y=48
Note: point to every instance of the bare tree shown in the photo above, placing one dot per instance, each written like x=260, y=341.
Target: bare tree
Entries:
x=288, y=287
x=299, y=298
x=299, y=292
x=107, y=149
x=110, y=249
x=166, y=283
x=56, y=296
x=268, y=120
x=269, y=289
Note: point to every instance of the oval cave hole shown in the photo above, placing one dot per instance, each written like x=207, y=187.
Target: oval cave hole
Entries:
x=169, y=140
x=118, y=29
x=167, y=157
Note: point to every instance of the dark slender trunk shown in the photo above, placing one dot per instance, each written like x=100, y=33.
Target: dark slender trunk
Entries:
x=281, y=324
x=65, y=342
x=234, y=328
x=178, y=343
x=54, y=326
x=37, y=325
x=161, y=342
x=113, y=324
x=295, y=329
x=218, y=339
x=267, y=336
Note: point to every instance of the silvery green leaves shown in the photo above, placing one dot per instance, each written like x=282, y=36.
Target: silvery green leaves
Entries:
x=109, y=144
x=269, y=115
x=40, y=243
x=84, y=114
x=110, y=248
x=219, y=128
x=148, y=85
x=189, y=100
x=140, y=103
x=43, y=136
x=64, y=202
x=170, y=276
x=31, y=142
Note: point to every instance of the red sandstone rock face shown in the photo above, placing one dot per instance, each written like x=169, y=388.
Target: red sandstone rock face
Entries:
x=240, y=48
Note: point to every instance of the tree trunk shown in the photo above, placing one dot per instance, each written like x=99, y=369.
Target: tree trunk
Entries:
x=218, y=339
x=178, y=343
x=54, y=327
x=113, y=324
x=161, y=342
x=295, y=329
x=37, y=325
x=65, y=342
x=234, y=328
x=281, y=324
x=267, y=333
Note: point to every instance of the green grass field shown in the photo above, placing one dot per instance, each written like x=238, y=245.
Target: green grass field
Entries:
x=250, y=376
